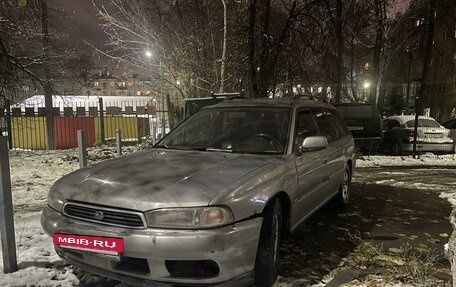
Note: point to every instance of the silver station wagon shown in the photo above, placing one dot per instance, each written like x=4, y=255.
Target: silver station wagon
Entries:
x=209, y=204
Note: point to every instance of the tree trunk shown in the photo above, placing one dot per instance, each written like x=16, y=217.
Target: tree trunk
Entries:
x=253, y=86
x=378, y=48
x=47, y=87
x=264, y=58
x=340, y=50
x=425, y=72
x=225, y=29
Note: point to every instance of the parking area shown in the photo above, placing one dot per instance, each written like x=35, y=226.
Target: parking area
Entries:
x=389, y=234
x=393, y=232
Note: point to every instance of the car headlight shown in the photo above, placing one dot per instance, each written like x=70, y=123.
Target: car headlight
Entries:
x=55, y=199
x=190, y=218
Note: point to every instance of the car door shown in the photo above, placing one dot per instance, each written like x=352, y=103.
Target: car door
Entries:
x=310, y=169
x=390, y=136
x=334, y=159
x=451, y=125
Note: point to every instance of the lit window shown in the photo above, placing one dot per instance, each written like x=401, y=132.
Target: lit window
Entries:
x=96, y=84
x=419, y=22
x=366, y=66
x=113, y=84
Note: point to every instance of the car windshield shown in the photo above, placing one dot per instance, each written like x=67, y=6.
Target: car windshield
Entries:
x=424, y=123
x=237, y=130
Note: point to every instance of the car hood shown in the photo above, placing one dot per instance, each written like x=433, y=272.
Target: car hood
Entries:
x=159, y=178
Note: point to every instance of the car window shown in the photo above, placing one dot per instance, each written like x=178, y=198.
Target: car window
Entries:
x=305, y=126
x=450, y=124
x=427, y=123
x=325, y=122
x=242, y=130
x=390, y=124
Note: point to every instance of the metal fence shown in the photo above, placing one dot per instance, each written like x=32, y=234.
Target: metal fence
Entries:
x=26, y=122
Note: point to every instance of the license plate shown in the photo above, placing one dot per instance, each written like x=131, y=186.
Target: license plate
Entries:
x=355, y=128
x=106, y=245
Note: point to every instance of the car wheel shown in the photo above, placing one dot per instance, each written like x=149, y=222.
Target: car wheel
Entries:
x=343, y=196
x=267, y=259
x=396, y=149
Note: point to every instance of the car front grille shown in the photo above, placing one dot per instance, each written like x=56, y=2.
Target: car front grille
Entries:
x=105, y=215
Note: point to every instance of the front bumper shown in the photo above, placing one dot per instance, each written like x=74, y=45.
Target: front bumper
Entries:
x=232, y=248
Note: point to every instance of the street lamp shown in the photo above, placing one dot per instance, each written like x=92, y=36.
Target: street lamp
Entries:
x=149, y=54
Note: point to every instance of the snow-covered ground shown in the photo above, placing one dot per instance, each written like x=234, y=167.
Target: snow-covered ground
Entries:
x=33, y=172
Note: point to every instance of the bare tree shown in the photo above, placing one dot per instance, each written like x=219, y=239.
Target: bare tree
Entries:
x=223, y=60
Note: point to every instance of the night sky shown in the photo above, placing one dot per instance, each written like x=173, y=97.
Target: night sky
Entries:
x=83, y=21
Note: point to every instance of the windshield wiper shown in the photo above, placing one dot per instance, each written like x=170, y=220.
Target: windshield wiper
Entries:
x=161, y=146
x=264, y=152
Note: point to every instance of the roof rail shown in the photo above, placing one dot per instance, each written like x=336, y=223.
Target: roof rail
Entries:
x=311, y=97
x=229, y=96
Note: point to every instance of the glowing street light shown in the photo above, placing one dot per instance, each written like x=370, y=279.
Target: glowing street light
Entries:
x=366, y=85
x=148, y=54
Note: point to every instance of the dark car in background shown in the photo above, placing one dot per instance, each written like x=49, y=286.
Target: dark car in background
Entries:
x=399, y=134
x=451, y=125
x=364, y=122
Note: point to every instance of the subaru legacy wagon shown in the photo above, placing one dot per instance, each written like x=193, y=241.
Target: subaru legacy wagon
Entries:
x=209, y=204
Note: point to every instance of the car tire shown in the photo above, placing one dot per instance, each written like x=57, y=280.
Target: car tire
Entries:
x=343, y=196
x=268, y=253
x=396, y=149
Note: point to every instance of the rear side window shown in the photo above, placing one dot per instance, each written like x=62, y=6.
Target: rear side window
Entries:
x=326, y=121
x=427, y=123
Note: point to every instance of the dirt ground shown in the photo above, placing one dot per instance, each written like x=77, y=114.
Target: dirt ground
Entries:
x=387, y=233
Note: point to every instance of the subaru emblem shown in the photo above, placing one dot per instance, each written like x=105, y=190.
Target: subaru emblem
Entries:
x=99, y=215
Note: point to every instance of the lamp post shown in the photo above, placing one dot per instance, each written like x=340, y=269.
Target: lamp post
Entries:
x=366, y=87
x=149, y=55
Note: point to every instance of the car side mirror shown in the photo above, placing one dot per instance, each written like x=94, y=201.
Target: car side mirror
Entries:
x=313, y=143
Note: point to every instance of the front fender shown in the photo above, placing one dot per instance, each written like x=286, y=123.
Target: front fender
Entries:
x=249, y=195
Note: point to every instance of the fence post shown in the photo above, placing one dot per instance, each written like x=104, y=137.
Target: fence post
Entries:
x=102, y=131
x=140, y=128
x=8, y=123
x=154, y=132
x=118, y=142
x=82, y=148
x=6, y=211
